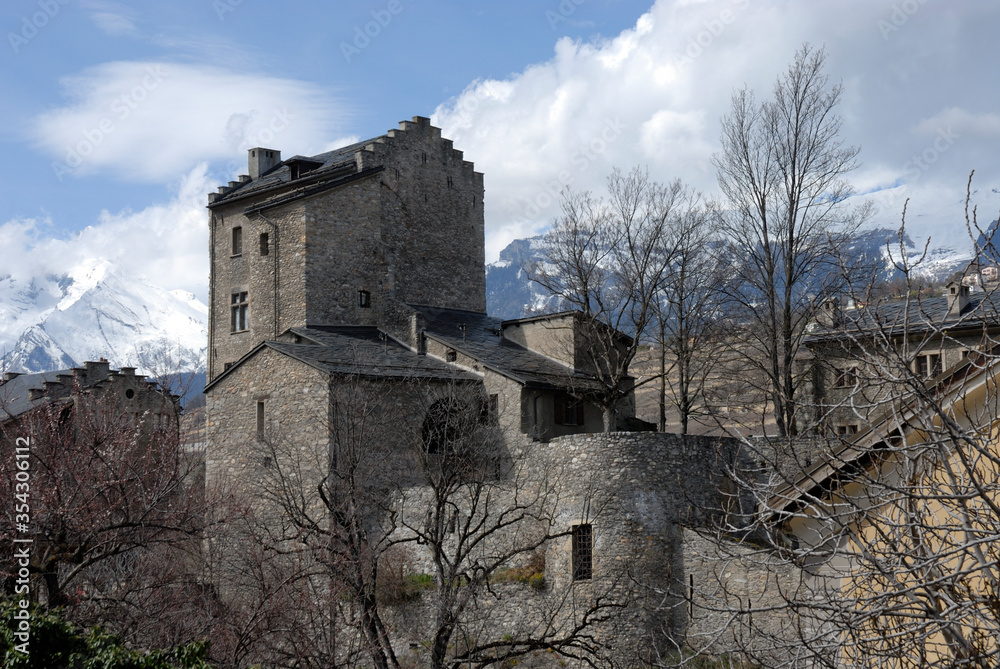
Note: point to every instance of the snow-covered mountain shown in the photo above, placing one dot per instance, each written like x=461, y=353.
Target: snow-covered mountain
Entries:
x=511, y=294
x=94, y=311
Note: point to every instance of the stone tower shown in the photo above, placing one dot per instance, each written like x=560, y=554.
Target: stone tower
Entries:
x=346, y=237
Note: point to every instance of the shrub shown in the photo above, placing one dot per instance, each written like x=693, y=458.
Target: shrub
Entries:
x=56, y=642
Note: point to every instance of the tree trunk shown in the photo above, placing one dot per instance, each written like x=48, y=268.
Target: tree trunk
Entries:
x=610, y=419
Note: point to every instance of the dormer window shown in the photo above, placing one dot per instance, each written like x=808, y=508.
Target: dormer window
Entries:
x=299, y=167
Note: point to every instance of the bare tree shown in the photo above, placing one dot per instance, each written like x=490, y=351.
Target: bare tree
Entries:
x=487, y=509
x=782, y=168
x=419, y=498
x=689, y=310
x=608, y=260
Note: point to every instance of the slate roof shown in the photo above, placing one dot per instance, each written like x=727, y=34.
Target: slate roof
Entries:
x=337, y=163
x=366, y=351
x=915, y=316
x=15, y=394
x=356, y=349
x=481, y=340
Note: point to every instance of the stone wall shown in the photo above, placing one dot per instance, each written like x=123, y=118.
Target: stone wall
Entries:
x=736, y=596
x=432, y=211
x=553, y=337
x=839, y=405
x=296, y=400
x=275, y=282
x=642, y=493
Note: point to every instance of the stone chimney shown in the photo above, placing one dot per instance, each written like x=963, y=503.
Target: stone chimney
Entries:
x=958, y=297
x=829, y=312
x=261, y=160
x=96, y=371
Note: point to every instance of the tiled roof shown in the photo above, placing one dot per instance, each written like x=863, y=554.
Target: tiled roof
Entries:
x=367, y=351
x=481, y=340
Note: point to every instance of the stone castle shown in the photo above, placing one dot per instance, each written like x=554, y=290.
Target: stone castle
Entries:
x=364, y=266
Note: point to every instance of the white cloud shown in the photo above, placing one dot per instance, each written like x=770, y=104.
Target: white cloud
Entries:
x=165, y=243
x=113, y=18
x=654, y=94
x=961, y=122
x=151, y=121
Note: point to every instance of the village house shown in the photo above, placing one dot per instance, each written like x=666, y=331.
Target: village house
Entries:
x=859, y=361
x=897, y=529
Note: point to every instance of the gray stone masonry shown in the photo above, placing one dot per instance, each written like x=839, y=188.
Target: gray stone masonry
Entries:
x=403, y=224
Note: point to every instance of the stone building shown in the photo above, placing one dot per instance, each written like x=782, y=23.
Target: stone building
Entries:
x=122, y=394
x=351, y=284
x=859, y=360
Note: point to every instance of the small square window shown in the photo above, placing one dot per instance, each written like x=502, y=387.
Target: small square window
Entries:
x=237, y=241
x=583, y=552
x=364, y=299
x=264, y=244
x=451, y=355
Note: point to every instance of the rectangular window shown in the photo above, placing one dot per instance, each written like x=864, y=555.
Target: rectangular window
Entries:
x=583, y=552
x=846, y=430
x=364, y=299
x=927, y=366
x=237, y=241
x=845, y=378
x=489, y=410
x=264, y=246
x=240, y=312
x=568, y=410
x=260, y=419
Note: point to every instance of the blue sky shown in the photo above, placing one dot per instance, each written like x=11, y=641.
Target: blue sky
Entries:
x=120, y=117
